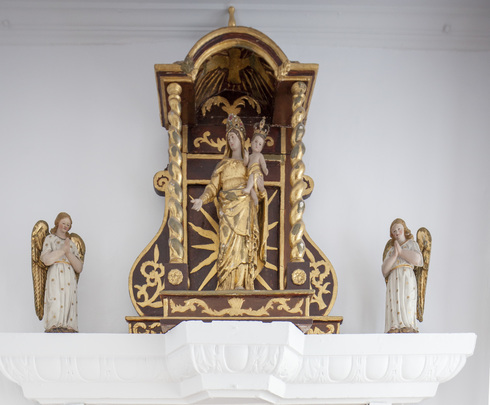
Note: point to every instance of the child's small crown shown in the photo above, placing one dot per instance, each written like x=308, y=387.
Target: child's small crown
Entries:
x=261, y=128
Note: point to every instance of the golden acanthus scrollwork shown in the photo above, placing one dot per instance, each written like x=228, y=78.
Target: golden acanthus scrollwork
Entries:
x=235, y=307
x=148, y=294
x=220, y=143
x=146, y=328
x=229, y=108
x=317, y=331
x=322, y=277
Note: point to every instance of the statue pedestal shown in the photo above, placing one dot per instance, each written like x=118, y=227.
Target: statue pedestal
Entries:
x=267, y=306
x=250, y=305
x=234, y=363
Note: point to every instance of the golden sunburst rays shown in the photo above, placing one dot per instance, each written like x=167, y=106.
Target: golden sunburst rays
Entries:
x=213, y=236
x=259, y=80
x=211, y=84
x=268, y=265
x=263, y=282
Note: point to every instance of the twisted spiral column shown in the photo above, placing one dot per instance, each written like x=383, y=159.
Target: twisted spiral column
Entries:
x=174, y=187
x=297, y=171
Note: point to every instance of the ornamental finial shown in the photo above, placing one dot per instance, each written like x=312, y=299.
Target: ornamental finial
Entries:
x=231, y=20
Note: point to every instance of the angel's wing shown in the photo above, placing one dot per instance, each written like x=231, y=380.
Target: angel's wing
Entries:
x=80, y=244
x=424, y=239
x=388, y=246
x=39, y=269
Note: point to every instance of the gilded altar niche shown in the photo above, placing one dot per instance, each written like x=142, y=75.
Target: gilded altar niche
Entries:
x=230, y=80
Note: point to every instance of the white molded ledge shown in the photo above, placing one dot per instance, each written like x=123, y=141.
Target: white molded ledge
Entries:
x=229, y=362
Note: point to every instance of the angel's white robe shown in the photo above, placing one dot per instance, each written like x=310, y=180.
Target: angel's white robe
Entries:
x=60, y=299
x=401, y=292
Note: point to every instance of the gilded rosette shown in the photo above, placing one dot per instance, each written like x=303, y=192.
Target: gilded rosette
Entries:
x=176, y=230
x=297, y=172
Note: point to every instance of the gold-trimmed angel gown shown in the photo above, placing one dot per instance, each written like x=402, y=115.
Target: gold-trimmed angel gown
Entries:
x=401, y=293
x=241, y=237
x=60, y=299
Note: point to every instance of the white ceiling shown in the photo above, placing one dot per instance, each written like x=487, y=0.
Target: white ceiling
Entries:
x=399, y=24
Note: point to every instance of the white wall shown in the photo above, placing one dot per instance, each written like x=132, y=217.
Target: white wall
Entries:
x=390, y=134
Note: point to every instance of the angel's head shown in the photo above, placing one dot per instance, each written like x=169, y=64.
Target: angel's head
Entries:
x=62, y=221
x=398, y=226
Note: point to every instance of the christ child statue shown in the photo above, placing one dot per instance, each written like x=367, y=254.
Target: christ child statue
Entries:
x=255, y=162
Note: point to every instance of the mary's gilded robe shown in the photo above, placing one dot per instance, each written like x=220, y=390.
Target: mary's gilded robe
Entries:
x=241, y=242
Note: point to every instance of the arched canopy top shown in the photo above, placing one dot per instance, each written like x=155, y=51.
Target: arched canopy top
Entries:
x=240, y=60
x=240, y=37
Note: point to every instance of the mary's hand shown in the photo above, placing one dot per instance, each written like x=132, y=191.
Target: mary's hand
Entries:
x=197, y=204
x=245, y=157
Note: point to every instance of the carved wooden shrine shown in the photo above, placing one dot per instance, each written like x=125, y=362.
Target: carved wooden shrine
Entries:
x=232, y=70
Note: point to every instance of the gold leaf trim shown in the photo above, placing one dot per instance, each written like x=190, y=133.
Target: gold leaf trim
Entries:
x=228, y=108
x=154, y=280
x=218, y=144
x=143, y=328
x=235, y=307
x=318, y=331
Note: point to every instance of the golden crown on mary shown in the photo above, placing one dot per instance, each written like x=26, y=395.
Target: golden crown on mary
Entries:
x=234, y=122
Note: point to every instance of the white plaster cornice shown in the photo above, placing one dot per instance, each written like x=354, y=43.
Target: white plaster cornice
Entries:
x=431, y=24
x=232, y=362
